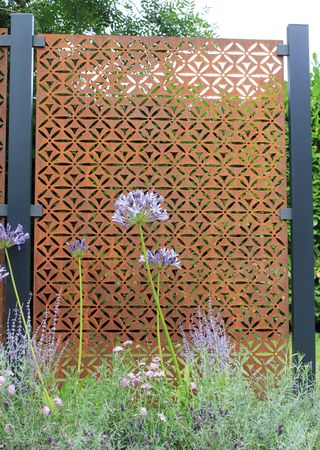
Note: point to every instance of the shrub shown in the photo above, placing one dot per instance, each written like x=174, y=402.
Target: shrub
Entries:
x=130, y=404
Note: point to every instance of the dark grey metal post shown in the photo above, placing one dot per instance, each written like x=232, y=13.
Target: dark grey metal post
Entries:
x=19, y=148
x=301, y=194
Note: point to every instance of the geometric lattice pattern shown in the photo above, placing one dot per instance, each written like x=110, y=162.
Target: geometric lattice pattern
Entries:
x=3, y=122
x=200, y=121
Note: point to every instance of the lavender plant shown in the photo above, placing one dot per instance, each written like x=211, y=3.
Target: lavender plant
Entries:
x=208, y=345
x=78, y=249
x=46, y=345
x=138, y=208
x=8, y=239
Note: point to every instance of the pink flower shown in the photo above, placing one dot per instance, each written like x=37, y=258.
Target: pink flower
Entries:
x=11, y=389
x=125, y=382
x=141, y=363
x=143, y=411
x=2, y=380
x=158, y=373
x=162, y=417
x=146, y=386
x=46, y=410
x=193, y=386
x=149, y=373
x=154, y=366
x=131, y=376
x=118, y=349
x=127, y=343
x=58, y=402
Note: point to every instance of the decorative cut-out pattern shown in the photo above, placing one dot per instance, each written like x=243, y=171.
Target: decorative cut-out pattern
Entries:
x=3, y=121
x=201, y=121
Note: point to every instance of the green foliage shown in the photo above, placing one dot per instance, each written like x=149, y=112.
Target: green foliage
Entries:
x=119, y=17
x=225, y=412
x=315, y=123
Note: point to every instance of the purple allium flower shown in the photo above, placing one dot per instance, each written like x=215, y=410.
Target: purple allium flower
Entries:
x=2, y=380
x=78, y=248
x=9, y=237
x=139, y=207
x=162, y=258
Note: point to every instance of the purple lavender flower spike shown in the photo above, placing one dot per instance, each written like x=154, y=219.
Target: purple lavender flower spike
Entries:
x=3, y=273
x=78, y=248
x=139, y=207
x=9, y=237
x=162, y=258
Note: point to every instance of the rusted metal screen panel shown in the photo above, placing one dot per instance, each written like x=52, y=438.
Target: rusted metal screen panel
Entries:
x=202, y=122
x=3, y=124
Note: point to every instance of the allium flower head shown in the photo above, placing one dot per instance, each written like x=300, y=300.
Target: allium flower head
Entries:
x=2, y=380
x=78, y=248
x=139, y=207
x=9, y=237
x=162, y=258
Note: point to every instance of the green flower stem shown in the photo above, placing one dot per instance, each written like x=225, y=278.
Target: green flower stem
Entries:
x=25, y=326
x=81, y=315
x=158, y=323
x=154, y=293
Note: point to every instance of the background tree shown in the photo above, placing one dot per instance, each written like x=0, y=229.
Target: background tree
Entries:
x=120, y=17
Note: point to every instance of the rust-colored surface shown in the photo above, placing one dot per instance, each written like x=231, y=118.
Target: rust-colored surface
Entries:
x=3, y=122
x=201, y=121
